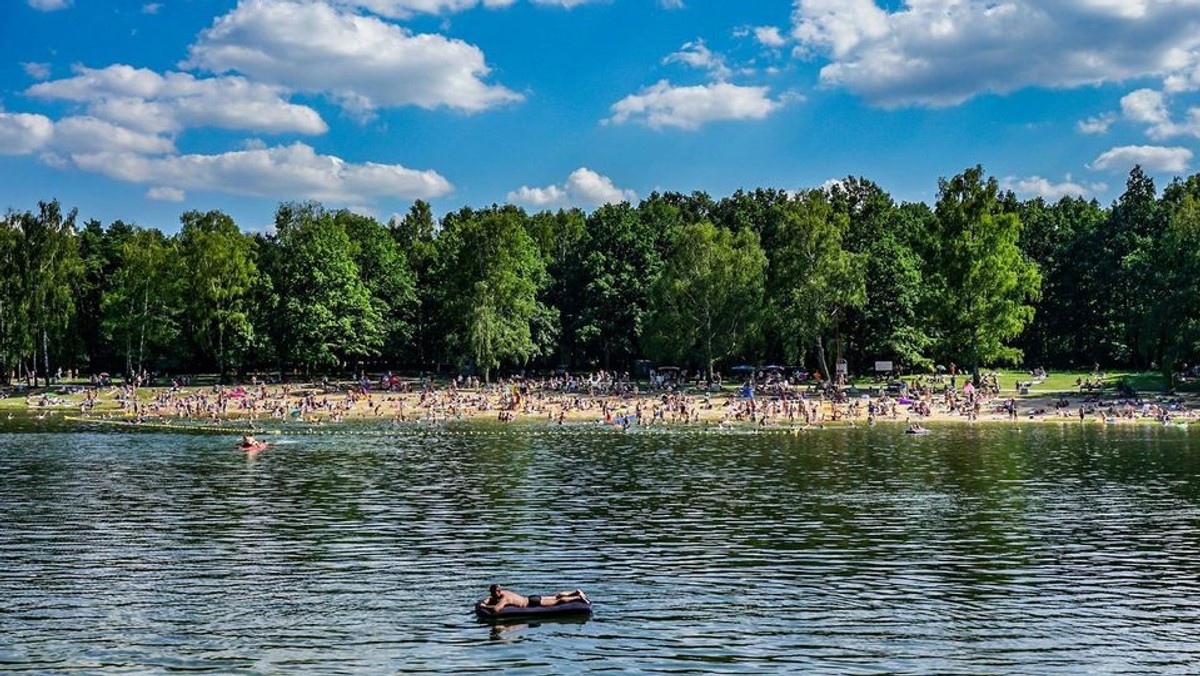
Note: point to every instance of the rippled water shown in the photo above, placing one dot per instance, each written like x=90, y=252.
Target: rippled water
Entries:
x=973, y=550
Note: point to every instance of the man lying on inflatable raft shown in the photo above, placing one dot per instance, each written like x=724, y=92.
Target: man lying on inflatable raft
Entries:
x=503, y=603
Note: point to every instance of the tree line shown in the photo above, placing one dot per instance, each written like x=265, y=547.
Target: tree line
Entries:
x=979, y=278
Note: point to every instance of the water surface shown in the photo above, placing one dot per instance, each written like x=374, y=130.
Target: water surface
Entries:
x=987, y=549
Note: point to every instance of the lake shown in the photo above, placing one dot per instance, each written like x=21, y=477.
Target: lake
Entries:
x=977, y=549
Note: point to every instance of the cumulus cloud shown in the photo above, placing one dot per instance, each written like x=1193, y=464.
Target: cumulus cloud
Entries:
x=584, y=187
x=1146, y=106
x=37, y=71
x=22, y=134
x=163, y=194
x=91, y=135
x=363, y=62
x=1152, y=108
x=1036, y=186
x=49, y=5
x=664, y=105
x=769, y=36
x=281, y=172
x=697, y=55
x=402, y=9
x=141, y=99
x=565, y=4
x=1097, y=124
x=943, y=52
x=1152, y=158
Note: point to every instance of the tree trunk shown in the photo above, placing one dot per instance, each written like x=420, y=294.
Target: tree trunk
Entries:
x=821, y=359
x=46, y=355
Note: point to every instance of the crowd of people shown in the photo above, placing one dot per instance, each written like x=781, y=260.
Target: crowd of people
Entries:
x=604, y=397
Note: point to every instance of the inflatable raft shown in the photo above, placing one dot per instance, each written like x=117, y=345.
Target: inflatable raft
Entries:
x=571, y=608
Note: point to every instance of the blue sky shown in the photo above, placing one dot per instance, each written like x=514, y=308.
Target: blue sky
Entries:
x=143, y=110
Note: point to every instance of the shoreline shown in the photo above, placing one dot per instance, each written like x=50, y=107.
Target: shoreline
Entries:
x=276, y=408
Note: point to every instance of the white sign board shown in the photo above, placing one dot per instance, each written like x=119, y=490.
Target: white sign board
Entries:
x=883, y=366
x=842, y=367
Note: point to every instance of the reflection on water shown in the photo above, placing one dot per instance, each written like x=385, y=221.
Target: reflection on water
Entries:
x=975, y=549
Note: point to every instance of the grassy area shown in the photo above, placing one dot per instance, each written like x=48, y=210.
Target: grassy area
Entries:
x=1064, y=381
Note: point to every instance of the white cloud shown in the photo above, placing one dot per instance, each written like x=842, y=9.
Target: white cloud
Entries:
x=584, y=187
x=769, y=36
x=566, y=4
x=74, y=135
x=697, y=55
x=152, y=8
x=37, y=71
x=664, y=105
x=402, y=9
x=1146, y=106
x=49, y=5
x=1152, y=158
x=141, y=99
x=22, y=134
x=943, y=52
x=361, y=61
x=281, y=172
x=1152, y=108
x=164, y=194
x=1036, y=186
x=1097, y=124
x=670, y=4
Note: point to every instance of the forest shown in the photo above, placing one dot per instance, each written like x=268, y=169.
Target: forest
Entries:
x=978, y=279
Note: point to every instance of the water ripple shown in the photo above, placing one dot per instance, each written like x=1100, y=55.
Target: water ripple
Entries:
x=976, y=550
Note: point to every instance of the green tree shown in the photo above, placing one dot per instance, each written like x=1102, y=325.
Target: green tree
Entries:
x=140, y=304
x=491, y=272
x=217, y=266
x=13, y=328
x=49, y=271
x=888, y=324
x=1058, y=237
x=986, y=284
x=558, y=236
x=614, y=266
x=813, y=279
x=415, y=236
x=1171, y=326
x=326, y=316
x=708, y=299
x=384, y=269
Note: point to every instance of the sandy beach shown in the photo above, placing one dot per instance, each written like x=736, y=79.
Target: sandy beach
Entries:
x=269, y=406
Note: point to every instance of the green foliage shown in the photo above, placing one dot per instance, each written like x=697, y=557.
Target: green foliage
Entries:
x=217, y=266
x=383, y=268
x=984, y=281
x=612, y=269
x=327, y=316
x=491, y=273
x=889, y=324
x=706, y=301
x=140, y=306
x=42, y=270
x=1171, y=323
x=813, y=279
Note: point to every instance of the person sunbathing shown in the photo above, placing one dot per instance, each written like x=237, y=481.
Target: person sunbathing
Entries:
x=500, y=598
